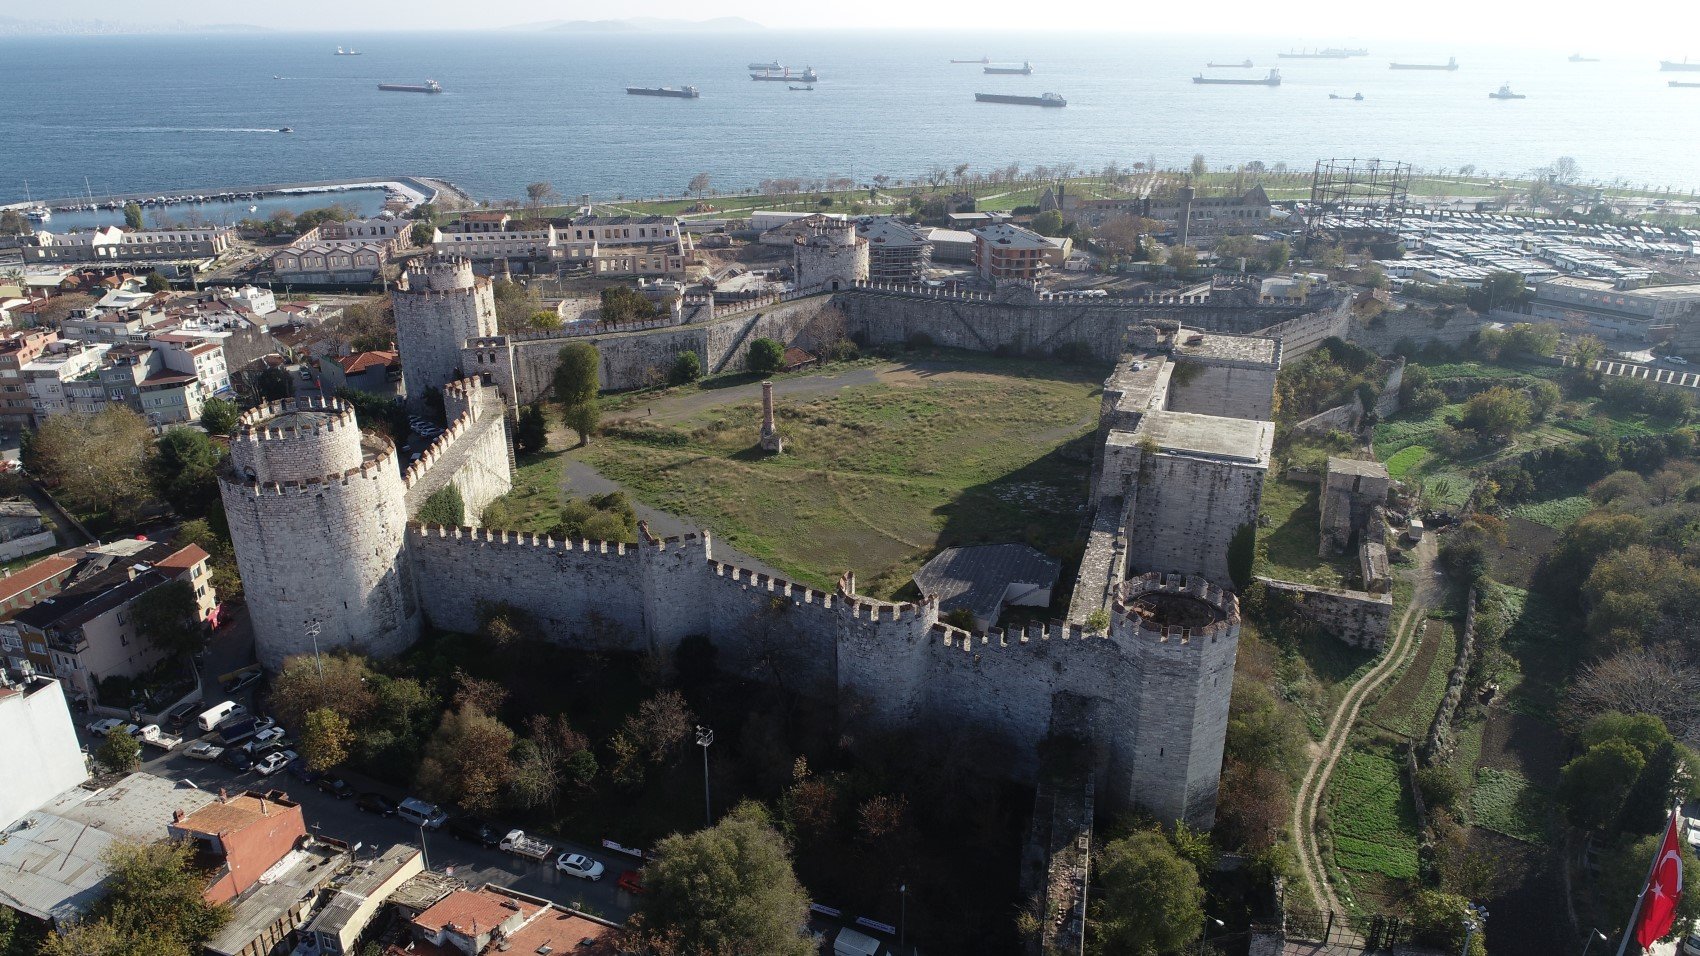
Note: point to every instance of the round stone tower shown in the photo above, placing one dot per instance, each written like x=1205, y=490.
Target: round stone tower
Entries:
x=1181, y=635
x=439, y=304
x=318, y=516
x=832, y=257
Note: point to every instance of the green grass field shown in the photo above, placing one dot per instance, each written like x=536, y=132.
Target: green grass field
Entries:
x=1373, y=821
x=1286, y=547
x=875, y=477
x=1503, y=801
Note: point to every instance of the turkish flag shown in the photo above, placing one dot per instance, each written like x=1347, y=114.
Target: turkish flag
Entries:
x=1664, y=888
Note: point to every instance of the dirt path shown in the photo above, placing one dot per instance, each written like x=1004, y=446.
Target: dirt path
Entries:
x=1425, y=591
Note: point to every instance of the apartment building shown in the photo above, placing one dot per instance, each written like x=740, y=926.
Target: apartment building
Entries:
x=116, y=244
x=1006, y=251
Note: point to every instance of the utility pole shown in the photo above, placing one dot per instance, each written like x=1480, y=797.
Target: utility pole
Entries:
x=705, y=738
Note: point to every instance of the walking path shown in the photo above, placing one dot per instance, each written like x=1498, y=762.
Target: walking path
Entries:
x=1426, y=591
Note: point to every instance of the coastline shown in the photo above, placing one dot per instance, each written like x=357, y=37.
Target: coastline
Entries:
x=417, y=189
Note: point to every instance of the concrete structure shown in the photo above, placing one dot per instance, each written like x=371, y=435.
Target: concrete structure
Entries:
x=832, y=257
x=238, y=838
x=1351, y=493
x=769, y=439
x=113, y=244
x=39, y=752
x=18, y=349
x=982, y=579
x=341, y=924
x=317, y=515
x=264, y=918
x=897, y=251
x=439, y=305
x=21, y=529
x=1006, y=251
x=1650, y=313
x=87, y=631
x=330, y=262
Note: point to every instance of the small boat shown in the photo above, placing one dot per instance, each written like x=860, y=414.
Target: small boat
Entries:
x=809, y=89
x=984, y=59
x=1242, y=65
x=1356, y=96
x=286, y=129
x=276, y=77
x=348, y=52
x=766, y=66
x=1579, y=58
x=1025, y=69
x=1504, y=93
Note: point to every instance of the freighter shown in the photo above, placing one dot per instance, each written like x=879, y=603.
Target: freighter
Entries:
x=1047, y=99
x=984, y=59
x=1025, y=69
x=1671, y=66
x=429, y=86
x=766, y=66
x=1451, y=64
x=785, y=75
x=682, y=92
x=1314, y=55
x=1579, y=58
x=1273, y=79
x=1683, y=83
x=1242, y=65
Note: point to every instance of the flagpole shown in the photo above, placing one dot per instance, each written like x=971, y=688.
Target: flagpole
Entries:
x=1635, y=915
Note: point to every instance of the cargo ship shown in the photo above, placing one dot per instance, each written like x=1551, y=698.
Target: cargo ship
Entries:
x=1450, y=65
x=1579, y=58
x=1684, y=83
x=984, y=59
x=1358, y=97
x=785, y=75
x=1242, y=65
x=1025, y=69
x=429, y=86
x=681, y=92
x=1671, y=66
x=1314, y=55
x=1273, y=79
x=766, y=66
x=1504, y=93
x=1047, y=99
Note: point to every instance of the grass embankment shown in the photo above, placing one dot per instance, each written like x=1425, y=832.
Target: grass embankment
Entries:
x=1287, y=544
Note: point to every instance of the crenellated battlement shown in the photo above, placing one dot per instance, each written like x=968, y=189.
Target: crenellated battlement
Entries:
x=765, y=582
x=439, y=447
x=956, y=638
x=521, y=539
x=438, y=274
x=371, y=468
x=323, y=415
x=1176, y=607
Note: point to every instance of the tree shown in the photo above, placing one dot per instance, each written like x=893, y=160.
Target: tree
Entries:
x=1623, y=875
x=583, y=418
x=325, y=739
x=219, y=417
x=728, y=889
x=1277, y=253
x=157, y=282
x=1585, y=350
x=119, y=752
x=578, y=377
x=169, y=617
x=1498, y=289
x=1048, y=223
x=1437, y=920
x=95, y=462
x=422, y=233
x=699, y=185
x=1182, y=257
x=516, y=303
x=185, y=471
x=766, y=356
x=1565, y=169
x=152, y=907
x=1198, y=167
x=13, y=224
x=445, y=507
x=544, y=320
x=686, y=368
x=1152, y=901
x=467, y=761
x=132, y=216
x=531, y=432
x=538, y=195
x=1592, y=787
x=274, y=384
x=344, y=683
x=622, y=304
x=1498, y=412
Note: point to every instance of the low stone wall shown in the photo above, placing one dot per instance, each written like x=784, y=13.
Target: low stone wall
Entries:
x=1439, y=739
x=1358, y=618
x=1341, y=418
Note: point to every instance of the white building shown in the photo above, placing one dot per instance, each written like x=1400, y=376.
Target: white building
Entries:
x=39, y=752
x=114, y=244
x=46, y=377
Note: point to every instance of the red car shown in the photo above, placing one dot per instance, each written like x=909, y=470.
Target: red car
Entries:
x=631, y=881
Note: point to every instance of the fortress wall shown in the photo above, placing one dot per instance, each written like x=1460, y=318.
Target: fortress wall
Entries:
x=1180, y=724
x=884, y=659
x=589, y=592
x=1187, y=511
x=1359, y=618
x=1387, y=330
x=1230, y=391
x=793, y=322
x=1301, y=336
x=472, y=455
x=881, y=318
x=773, y=630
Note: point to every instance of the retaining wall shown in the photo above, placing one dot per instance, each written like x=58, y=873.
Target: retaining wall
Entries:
x=1358, y=618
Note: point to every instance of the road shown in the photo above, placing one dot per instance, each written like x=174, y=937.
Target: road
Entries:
x=327, y=816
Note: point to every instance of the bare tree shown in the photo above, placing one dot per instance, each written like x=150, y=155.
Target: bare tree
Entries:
x=538, y=195
x=698, y=185
x=936, y=175
x=1661, y=682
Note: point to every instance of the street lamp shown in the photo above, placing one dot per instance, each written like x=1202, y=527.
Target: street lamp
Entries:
x=1593, y=935
x=313, y=632
x=424, y=854
x=1474, y=917
x=705, y=738
x=902, y=916
x=1206, y=934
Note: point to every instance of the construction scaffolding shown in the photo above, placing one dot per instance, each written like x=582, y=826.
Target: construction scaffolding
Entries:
x=1358, y=196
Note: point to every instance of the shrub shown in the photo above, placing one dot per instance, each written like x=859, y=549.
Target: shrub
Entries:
x=686, y=368
x=766, y=356
x=444, y=507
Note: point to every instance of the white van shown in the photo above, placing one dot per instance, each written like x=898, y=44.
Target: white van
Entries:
x=421, y=814
x=851, y=943
x=210, y=718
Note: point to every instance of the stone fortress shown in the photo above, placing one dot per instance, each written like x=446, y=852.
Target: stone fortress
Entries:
x=1143, y=671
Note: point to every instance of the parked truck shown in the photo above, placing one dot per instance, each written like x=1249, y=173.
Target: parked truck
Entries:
x=153, y=736
x=517, y=843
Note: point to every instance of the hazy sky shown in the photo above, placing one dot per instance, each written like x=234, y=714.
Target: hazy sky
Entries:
x=1654, y=27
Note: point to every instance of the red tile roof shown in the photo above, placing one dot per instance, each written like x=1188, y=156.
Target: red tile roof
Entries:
x=361, y=361
x=472, y=912
x=20, y=581
x=183, y=559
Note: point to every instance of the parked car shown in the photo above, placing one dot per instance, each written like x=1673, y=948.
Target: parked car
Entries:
x=266, y=722
x=1691, y=945
x=201, y=750
x=104, y=726
x=422, y=814
x=336, y=787
x=273, y=762
x=375, y=803
x=473, y=830
x=178, y=717
x=300, y=771
x=632, y=882
x=263, y=739
x=236, y=760
x=242, y=682
x=579, y=865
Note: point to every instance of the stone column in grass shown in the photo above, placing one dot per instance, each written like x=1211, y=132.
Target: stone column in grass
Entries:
x=770, y=440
